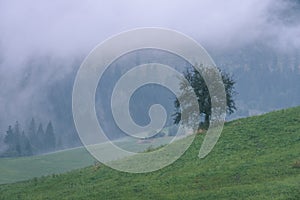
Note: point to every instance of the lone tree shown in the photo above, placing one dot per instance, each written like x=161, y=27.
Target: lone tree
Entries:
x=197, y=85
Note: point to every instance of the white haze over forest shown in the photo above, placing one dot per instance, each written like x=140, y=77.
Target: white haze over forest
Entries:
x=63, y=33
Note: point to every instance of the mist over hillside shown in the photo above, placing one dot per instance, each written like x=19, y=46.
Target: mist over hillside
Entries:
x=43, y=44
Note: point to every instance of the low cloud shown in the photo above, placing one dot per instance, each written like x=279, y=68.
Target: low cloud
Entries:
x=63, y=31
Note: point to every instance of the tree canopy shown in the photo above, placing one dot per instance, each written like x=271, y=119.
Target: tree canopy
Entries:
x=196, y=84
x=30, y=142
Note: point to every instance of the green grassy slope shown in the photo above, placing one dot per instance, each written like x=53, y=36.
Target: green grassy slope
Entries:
x=254, y=159
x=24, y=168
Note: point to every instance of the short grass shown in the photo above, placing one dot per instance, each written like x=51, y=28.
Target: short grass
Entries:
x=255, y=158
x=25, y=168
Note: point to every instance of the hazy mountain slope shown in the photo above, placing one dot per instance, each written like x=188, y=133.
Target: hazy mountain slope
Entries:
x=255, y=158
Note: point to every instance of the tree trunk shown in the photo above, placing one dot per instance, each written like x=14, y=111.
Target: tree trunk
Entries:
x=206, y=122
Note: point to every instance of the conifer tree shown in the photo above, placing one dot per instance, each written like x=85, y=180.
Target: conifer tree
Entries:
x=40, y=135
x=49, y=140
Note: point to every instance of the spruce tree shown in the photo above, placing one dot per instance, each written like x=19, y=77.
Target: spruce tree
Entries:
x=17, y=139
x=26, y=148
x=32, y=135
x=9, y=141
x=50, y=141
x=40, y=135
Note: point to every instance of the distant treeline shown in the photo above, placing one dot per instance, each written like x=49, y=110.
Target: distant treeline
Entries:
x=30, y=142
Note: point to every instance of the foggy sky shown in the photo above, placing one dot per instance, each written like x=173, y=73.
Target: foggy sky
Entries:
x=70, y=27
x=64, y=30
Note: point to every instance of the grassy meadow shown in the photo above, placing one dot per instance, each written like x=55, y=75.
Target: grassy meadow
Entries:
x=255, y=158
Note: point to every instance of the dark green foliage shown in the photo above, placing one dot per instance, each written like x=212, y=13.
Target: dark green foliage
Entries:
x=34, y=142
x=11, y=141
x=17, y=138
x=9, y=138
x=200, y=88
x=26, y=149
x=49, y=139
x=40, y=135
x=32, y=135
